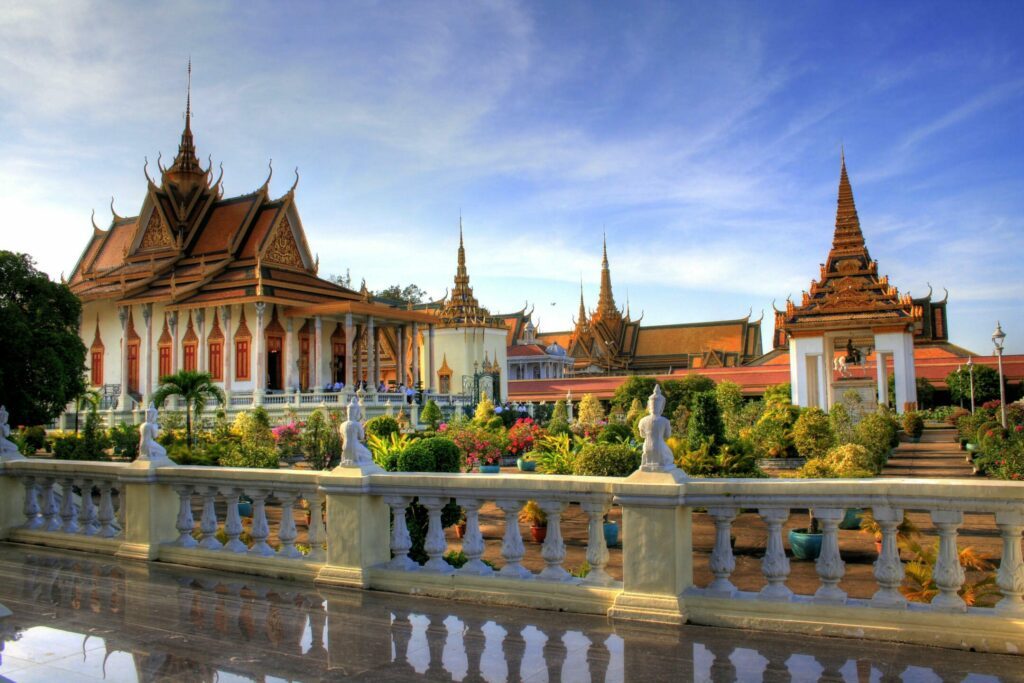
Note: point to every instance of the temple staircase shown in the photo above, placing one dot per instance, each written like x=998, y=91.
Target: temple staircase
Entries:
x=937, y=456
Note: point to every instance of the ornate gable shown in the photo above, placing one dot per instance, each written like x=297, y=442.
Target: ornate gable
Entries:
x=157, y=234
x=281, y=248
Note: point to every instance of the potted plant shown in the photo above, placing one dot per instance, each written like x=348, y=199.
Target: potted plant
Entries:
x=611, y=532
x=460, y=526
x=537, y=519
x=904, y=532
x=913, y=425
x=526, y=463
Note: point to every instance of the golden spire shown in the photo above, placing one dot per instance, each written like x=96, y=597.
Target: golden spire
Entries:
x=461, y=307
x=606, y=300
x=581, y=317
x=847, y=234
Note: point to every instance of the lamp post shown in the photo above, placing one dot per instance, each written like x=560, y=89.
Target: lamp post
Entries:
x=970, y=371
x=997, y=340
x=960, y=369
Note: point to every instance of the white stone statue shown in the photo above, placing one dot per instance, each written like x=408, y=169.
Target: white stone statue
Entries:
x=353, y=452
x=655, y=429
x=149, y=449
x=8, y=449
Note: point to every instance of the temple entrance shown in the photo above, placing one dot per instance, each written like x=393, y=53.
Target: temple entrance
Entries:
x=305, y=357
x=338, y=367
x=275, y=363
x=133, y=367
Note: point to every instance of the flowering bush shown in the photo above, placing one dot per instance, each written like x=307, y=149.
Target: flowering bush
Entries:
x=287, y=437
x=477, y=445
x=522, y=436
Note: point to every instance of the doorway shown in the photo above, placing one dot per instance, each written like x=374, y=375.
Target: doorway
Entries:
x=275, y=363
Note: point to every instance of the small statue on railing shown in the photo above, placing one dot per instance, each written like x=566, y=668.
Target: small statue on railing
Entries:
x=353, y=452
x=149, y=449
x=655, y=430
x=8, y=449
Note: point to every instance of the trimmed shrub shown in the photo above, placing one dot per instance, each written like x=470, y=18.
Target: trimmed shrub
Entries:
x=705, y=425
x=34, y=438
x=614, y=433
x=876, y=433
x=847, y=461
x=431, y=414
x=433, y=454
x=124, y=439
x=913, y=424
x=812, y=433
x=607, y=460
x=841, y=423
x=382, y=426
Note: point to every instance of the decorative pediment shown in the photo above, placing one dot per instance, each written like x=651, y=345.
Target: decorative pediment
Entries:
x=157, y=234
x=281, y=248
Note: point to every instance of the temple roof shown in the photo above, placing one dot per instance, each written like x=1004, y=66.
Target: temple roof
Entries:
x=460, y=308
x=849, y=290
x=189, y=245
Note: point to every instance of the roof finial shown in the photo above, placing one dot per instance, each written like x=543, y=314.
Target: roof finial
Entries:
x=188, y=96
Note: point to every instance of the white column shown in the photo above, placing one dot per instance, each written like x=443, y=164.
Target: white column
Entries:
x=371, y=352
x=229, y=349
x=201, y=360
x=799, y=349
x=416, y=354
x=349, y=331
x=146, y=357
x=882, y=373
x=291, y=355
x=1011, y=566
x=430, y=358
x=172, y=323
x=400, y=354
x=378, y=374
x=318, y=352
x=257, y=362
x=122, y=314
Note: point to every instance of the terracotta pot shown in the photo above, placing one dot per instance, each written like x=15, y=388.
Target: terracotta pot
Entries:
x=539, y=533
x=878, y=547
x=460, y=530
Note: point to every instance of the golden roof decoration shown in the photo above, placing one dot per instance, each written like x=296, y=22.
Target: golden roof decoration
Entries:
x=460, y=308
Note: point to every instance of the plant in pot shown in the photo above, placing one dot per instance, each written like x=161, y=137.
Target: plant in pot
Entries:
x=460, y=526
x=913, y=425
x=537, y=519
x=526, y=463
x=905, y=532
x=846, y=461
x=611, y=532
x=480, y=448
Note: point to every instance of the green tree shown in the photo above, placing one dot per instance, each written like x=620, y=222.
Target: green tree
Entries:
x=635, y=387
x=705, y=425
x=316, y=440
x=410, y=294
x=730, y=402
x=682, y=391
x=779, y=394
x=195, y=389
x=431, y=414
x=89, y=399
x=986, y=384
x=636, y=412
x=812, y=433
x=42, y=366
x=590, y=412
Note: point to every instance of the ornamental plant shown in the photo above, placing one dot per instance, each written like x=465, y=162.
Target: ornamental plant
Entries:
x=913, y=424
x=431, y=414
x=477, y=445
x=287, y=437
x=591, y=415
x=730, y=404
x=523, y=435
x=382, y=426
x=705, y=425
x=607, y=460
x=635, y=412
x=876, y=432
x=812, y=433
x=485, y=417
x=317, y=440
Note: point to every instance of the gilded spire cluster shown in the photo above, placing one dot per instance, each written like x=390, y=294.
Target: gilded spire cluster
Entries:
x=848, y=236
x=461, y=309
x=606, y=309
x=187, y=161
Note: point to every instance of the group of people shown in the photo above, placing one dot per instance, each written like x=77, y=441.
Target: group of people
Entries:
x=407, y=392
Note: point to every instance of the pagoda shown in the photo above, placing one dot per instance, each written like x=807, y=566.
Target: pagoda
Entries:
x=850, y=315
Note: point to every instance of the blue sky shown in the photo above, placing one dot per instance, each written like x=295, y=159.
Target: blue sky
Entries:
x=704, y=138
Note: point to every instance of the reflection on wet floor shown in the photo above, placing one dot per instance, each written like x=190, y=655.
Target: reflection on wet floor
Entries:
x=78, y=617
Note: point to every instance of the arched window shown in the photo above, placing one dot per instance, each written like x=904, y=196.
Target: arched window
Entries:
x=96, y=357
x=242, y=339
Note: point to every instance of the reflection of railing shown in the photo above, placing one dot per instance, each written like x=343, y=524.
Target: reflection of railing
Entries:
x=367, y=543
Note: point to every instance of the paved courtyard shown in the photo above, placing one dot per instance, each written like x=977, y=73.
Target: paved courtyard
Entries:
x=79, y=617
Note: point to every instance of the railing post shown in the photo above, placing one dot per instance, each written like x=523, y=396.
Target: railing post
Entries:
x=657, y=548
x=1011, y=567
x=775, y=564
x=150, y=511
x=16, y=509
x=888, y=567
x=358, y=527
x=830, y=563
x=948, y=573
x=722, y=561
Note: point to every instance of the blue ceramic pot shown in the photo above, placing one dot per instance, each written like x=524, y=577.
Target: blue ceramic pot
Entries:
x=526, y=465
x=245, y=509
x=490, y=469
x=611, y=534
x=972, y=447
x=851, y=520
x=805, y=546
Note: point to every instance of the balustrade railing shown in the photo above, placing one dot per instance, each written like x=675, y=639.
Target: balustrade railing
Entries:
x=357, y=535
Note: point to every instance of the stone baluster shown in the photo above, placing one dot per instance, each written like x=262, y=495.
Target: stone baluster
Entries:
x=512, y=549
x=829, y=563
x=260, y=528
x=401, y=634
x=1011, y=567
x=722, y=562
x=317, y=624
x=233, y=522
x=185, y=523
x=722, y=667
x=106, y=512
x=888, y=568
x=208, y=523
x=400, y=541
x=597, y=547
x=555, y=653
x=514, y=647
x=51, y=522
x=473, y=541
x=316, y=531
x=88, y=524
x=553, y=550
x=436, y=635
x=775, y=565
x=435, y=544
x=832, y=663
x=948, y=574
x=598, y=657
x=69, y=524
x=32, y=518
x=287, y=533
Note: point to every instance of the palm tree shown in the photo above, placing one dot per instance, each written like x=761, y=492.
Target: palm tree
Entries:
x=195, y=388
x=90, y=398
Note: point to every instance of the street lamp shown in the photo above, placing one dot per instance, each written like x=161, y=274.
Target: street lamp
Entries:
x=970, y=371
x=997, y=340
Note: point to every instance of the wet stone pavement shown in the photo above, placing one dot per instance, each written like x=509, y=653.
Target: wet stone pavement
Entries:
x=79, y=617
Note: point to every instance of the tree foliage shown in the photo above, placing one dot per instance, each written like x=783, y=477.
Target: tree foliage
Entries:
x=194, y=388
x=431, y=414
x=705, y=424
x=986, y=384
x=590, y=413
x=410, y=294
x=42, y=367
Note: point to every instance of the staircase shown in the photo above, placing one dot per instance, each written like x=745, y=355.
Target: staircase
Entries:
x=937, y=456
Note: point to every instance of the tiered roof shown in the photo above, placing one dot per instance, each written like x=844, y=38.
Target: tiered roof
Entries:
x=460, y=308
x=189, y=246
x=849, y=290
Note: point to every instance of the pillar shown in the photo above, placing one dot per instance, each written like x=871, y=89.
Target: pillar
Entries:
x=882, y=373
x=172, y=323
x=257, y=360
x=146, y=357
x=371, y=354
x=318, y=352
x=399, y=355
x=201, y=360
x=122, y=315
x=359, y=353
x=349, y=330
x=430, y=358
x=291, y=354
x=229, y=351
x=415, y=354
